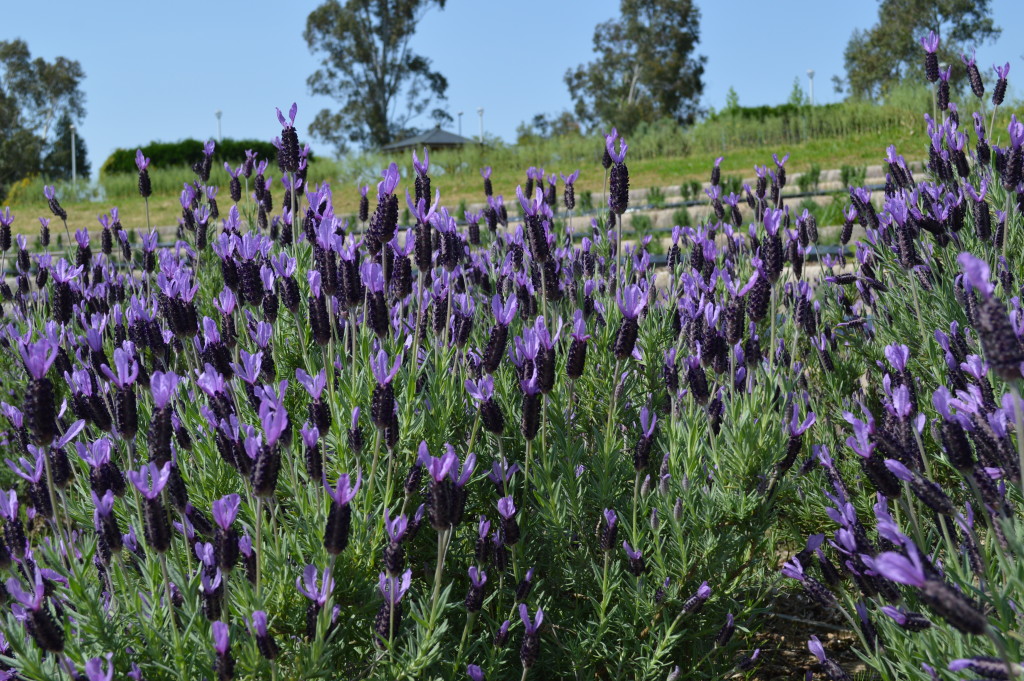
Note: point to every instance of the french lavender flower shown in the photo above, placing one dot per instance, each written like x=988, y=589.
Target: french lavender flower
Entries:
x=531, y=406
x=504, y=313
x=524, y=586
x=618, y=181
x=999, y=91
x=998, y=339
x=394, y=554
x=145, y=185
x=317, y=591
x=529, y=651
x=39, y=397
x=162, y=385
x=446, y=496
x=51, y=199
x=482, y=392
x=355, y=433
x=694, y=603
x=150, y=481
x=608, y=531
x=509, y=525
x=288, y=154
x=832, y=669
x=6, y=220
x=911, y=621
x=94, y=668
x=475, y=595
x=264, y=641
x=957, y=609
x=577, y=359
x=987, y=667
x=382, y=403
x=225, y=665
x=45, y=630
x=973, y=75
x=225, y=542
x=631, y=303
x=389, y=617
x=339, y=518
x=108, y=532
x=637, y=565
x=319, y=411
x=569, y=192
x=817, y=591
x=930, y=43
x=485, y=173
x=384, y=220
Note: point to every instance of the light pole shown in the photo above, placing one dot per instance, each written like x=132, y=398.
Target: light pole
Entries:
x=810, y=77
x=460, y=123
x=218, y=113
x=480, y=111
x=74, y=167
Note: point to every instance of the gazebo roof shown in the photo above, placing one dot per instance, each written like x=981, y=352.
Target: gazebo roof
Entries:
x=431, y=138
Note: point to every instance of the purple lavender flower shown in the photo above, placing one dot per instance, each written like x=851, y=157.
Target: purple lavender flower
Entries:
x=637, y=565
x=94, y=668
x=389, y=617
x=225, y=510
x=930, y=43
x=339, y=518
x=48, y=635
x=530, y=649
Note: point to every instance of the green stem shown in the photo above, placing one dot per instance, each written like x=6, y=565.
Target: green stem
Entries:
x=373, y=472
x=259, y=542
x=442, y=548
x=170, y=614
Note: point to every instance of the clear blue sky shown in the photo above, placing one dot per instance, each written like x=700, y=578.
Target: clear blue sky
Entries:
x=159, y=70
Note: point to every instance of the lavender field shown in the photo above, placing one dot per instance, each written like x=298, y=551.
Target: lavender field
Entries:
x=506, y=444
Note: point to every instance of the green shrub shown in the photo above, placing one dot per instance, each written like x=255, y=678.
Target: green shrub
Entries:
x=656, y=197
x=186, y=152
x=641, y=223
x=681, y=217
x=690, y=191
x=586, y=200
x=809, y=180
x=853, y=176
x=730, y=185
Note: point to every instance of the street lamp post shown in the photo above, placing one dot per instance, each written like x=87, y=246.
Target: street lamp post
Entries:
x=480, y=111
x=74, y=166
x=460, y=124
x=218, y=113
x=810, y=77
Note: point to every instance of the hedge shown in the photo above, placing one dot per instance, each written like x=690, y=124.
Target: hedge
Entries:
x=186, y=152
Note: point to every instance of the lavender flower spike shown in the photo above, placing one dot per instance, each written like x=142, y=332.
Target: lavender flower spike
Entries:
x=225, y=510
x=151, y=480
x=344, y=491
x=94, y=668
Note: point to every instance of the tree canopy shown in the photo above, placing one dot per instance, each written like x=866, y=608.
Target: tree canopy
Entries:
x=645, y=67
x=882, y=56
x=367, y=65
x=39, y=100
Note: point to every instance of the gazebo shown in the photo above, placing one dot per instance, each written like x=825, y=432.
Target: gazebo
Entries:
x=431, y=139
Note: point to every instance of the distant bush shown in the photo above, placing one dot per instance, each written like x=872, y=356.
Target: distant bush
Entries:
x=641, y=224
x=690, y=190
x=853, y=176
x=809, y=180
x=186, y=152
x=586, y=200
x=731, y=185
x=656, y=197
x=681, y=217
